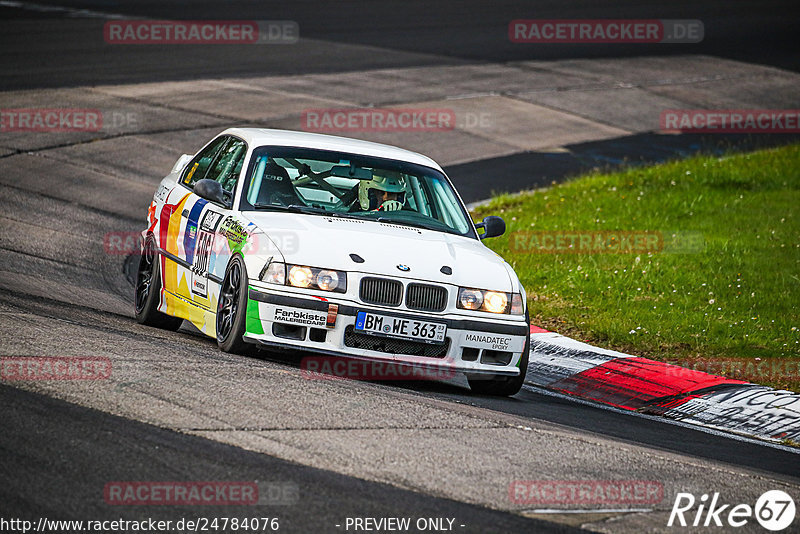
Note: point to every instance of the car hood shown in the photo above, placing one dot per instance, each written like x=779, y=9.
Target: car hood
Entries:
x=320, y=241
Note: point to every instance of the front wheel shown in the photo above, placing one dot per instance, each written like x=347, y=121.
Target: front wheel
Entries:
x=148, y=290
x=232, y=308
x=504, y=386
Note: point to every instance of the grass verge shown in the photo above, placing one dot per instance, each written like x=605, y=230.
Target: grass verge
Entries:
x=695, y=262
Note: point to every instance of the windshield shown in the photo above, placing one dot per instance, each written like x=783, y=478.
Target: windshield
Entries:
x=348, y=185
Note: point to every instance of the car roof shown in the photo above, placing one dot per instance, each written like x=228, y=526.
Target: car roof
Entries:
x=266, y=136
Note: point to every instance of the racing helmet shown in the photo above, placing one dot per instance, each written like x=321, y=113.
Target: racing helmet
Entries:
x=370, y=191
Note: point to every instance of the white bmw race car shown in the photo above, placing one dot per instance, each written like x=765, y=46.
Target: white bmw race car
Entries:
x=332, y=245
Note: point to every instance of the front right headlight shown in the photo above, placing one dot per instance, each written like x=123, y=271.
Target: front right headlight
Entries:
x=490, y=301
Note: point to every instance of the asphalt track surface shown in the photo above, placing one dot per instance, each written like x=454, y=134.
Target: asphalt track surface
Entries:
x=78, y=449
x=56, y=49
x=418, y=449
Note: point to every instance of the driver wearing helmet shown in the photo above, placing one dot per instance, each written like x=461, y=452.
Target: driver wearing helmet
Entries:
x=385, y=192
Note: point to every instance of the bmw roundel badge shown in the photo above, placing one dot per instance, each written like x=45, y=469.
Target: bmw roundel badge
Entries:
x=404, y=268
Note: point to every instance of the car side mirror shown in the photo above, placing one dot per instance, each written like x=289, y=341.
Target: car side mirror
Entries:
x=181, y=163
x=493, y=226
x=210, y=190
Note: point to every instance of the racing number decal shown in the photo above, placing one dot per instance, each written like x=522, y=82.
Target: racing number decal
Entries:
x=202, y=254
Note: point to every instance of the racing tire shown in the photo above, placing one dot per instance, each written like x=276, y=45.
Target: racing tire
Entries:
x=147, y=292
x=504, y=386
x=232, y=308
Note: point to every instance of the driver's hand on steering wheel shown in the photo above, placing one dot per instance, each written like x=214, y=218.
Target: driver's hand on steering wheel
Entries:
x=391, y=205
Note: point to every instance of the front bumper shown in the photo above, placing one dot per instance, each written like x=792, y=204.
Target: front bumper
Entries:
x=472, y=346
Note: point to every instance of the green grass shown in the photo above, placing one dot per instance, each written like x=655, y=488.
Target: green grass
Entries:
x=724, y=290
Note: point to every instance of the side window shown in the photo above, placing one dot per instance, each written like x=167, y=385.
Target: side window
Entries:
x=226, y=167
x=198, y=168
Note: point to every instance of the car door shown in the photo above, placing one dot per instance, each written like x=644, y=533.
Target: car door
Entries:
x=203, y=218
x=192, y=241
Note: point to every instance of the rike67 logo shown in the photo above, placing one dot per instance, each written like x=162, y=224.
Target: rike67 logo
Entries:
x=774, y=510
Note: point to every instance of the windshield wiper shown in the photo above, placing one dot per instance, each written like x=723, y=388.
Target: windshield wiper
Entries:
x=297, y=208
x=415, y=225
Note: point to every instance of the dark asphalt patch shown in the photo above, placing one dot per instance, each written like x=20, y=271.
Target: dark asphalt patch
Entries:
x=57, y=457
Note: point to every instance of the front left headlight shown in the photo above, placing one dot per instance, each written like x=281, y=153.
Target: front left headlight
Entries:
x=490, y=301
x=305, y=277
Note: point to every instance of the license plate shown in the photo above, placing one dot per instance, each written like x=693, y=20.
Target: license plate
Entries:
x=397, y=327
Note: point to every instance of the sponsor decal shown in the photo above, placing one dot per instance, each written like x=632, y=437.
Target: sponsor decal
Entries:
x=234, y=232
x=304, y=317
x=333, y=310
x=490, y=341
x=161, y=193
x=199, y=285
x=210, y=221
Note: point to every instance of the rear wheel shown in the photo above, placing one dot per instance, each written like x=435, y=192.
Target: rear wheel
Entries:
x=148, y=290
x=504, y=385
x=232, y=308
